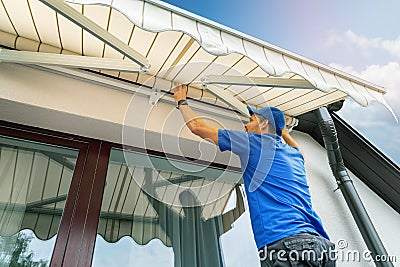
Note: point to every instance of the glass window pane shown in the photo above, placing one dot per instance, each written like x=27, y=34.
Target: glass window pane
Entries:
x=34, y=183
x=164, y=212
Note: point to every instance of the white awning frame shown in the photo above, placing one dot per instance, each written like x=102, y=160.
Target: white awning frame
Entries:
x=209, y=81
x=257, y=81
x=228, y=99
x=68, y=61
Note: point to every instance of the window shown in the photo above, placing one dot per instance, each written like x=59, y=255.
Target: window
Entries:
x=69, y=200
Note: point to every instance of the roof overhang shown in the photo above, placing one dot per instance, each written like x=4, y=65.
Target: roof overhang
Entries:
x=179, y=47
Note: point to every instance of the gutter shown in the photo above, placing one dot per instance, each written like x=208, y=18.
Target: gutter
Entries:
x=345, y=184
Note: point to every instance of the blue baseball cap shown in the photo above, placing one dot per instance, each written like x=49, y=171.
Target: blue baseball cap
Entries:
x=274, y=116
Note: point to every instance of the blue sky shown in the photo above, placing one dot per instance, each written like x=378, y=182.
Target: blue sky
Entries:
x=360, y=37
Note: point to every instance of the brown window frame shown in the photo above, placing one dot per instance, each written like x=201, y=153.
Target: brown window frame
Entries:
x=79, y=220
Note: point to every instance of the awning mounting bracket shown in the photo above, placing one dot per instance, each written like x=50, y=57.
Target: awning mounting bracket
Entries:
x=155, y=96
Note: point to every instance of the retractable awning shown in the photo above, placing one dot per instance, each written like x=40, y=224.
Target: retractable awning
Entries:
x=177, y=46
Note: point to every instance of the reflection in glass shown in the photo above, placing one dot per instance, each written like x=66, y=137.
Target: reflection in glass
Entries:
x=34, y=182
x=238, y=244
x=160, y=209
x=25, y=249
x=126, y=252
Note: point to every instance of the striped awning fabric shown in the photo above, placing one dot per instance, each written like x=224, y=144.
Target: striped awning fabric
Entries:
x=182, y=48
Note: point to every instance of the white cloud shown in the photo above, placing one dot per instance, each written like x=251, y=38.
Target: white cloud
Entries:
x=375, y=122
x=364, y=43
x=392, y=46
x=387, y=76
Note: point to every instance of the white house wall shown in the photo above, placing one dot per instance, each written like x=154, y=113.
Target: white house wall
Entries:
x=47, y=100
x=43, y=99
x=335, y=214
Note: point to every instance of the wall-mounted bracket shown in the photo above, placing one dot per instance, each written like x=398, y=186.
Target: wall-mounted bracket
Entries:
x=155, y=96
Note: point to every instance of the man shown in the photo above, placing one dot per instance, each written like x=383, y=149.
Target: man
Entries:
x=286, y=229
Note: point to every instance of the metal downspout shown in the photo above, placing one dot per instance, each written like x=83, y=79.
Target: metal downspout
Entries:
x=349, y=192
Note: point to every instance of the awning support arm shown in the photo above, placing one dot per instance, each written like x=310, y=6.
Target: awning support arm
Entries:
x=237, y=104
x=258, y=81
x=228, y=99
x=68, y=61
x=93, y=28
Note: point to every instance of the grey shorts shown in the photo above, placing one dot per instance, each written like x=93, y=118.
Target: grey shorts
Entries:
x=299, y=250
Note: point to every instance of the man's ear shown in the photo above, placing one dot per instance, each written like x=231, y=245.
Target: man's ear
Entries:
x=264, y=125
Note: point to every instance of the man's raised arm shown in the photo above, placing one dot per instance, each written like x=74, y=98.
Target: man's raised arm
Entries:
x=196, y=125
x=290, y=141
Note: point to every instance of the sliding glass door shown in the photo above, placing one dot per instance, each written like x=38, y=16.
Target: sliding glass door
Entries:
x=67, y=200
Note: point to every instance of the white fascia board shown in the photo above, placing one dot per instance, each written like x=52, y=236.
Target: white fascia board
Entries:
x=69, y=61
x=258, y=81
x=93, y=28
x=134, y=88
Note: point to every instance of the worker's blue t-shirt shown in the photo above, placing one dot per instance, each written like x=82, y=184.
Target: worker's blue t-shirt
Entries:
x=275, y=181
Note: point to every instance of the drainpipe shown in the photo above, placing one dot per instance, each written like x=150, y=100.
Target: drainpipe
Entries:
x=349, y=192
